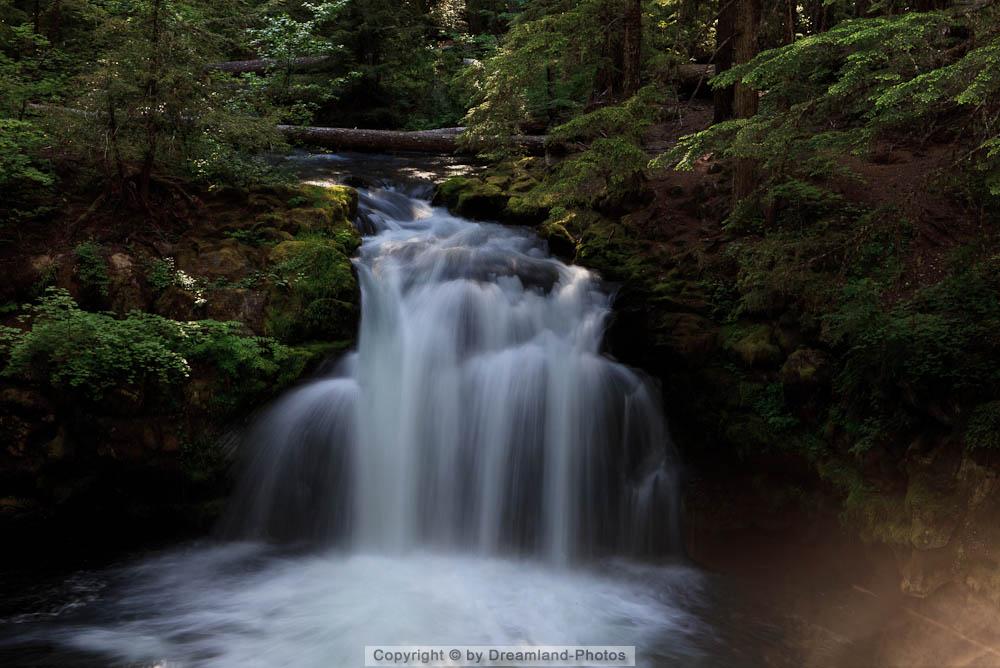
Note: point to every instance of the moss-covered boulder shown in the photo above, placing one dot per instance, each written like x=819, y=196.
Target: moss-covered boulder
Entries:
x=752, y=345
x=508, y=193
x=472, y=198
x=806, y=367
x=314, y=292
x=311, y=209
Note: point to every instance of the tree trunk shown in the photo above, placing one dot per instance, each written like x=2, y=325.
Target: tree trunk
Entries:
x=604, y=79
x=55, y=31
x=745, y=98
x=791, y=13
x=723, y=58
x=152, y=104
x=632, y=49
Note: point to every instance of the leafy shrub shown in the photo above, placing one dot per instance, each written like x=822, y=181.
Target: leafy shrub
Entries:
x=247, y=368
x=938, y=346
x=610, y=171
x=92, y=268
x=161, y=273
x=92, y=353
x=89, y=354
x=25, y=178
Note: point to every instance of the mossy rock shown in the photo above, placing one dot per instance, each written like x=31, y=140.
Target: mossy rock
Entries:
x=507, y=193
x=224, y=259
x=752, y=345
x=472, y=198
x=688, y=335
x=608, y=248
x=560, y=241
x=314, y=293
x=499, y=180
x=806, y=367
x=527, y=208
x=342, y=201
x=313, y=210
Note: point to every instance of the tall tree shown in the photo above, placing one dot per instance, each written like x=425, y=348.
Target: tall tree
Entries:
x=725, y=26
x=632, y=48
x=745, y=98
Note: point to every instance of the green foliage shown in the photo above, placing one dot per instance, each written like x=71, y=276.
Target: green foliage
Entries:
x=397, y=64
x=545, y=69
x=834, y=92
x=92, y=268
x=247, y=369
x=610, y=171
x=153, y=55
x=25, y=177
x=161, y=273
x=939, y=345
x=283, y=38
x=27, y=70
x=609, y=174
x=90, y=355
x=627, y=121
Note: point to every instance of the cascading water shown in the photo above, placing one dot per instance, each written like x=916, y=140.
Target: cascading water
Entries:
x=477, y=411
x=467, y=476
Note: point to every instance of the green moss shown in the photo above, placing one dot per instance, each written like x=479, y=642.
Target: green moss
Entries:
x=342, y=201
x=509, y=192
x=752, y=344
x=473, y=198
x=606, y=246
x=314, y=292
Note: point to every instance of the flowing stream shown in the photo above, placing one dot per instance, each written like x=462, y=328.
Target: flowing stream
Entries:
x=476, y=472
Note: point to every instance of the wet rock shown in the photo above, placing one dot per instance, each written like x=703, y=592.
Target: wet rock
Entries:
x=178, y=303
x=27, y=422
x=239, y=304
x=223, y=261
x=125, y=289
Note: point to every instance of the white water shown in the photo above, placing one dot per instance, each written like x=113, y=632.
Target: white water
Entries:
x=477, y=411
x=461, y=473
x=243, y=606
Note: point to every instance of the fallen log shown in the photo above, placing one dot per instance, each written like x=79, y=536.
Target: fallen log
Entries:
x=261, y=65
x=443, y=140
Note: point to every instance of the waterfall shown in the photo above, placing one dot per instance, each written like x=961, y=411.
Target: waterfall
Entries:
x=477, y=412
x=476, y=472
